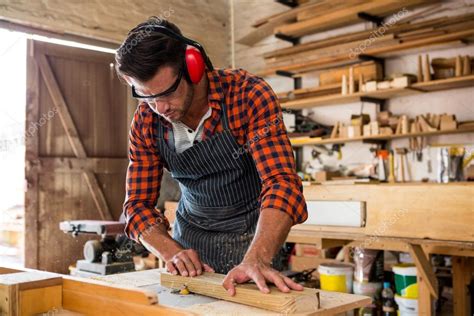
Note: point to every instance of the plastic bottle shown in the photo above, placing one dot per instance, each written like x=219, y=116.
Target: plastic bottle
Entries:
x=389, y=306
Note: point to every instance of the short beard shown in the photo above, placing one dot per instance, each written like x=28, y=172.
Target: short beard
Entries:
x=188, y=100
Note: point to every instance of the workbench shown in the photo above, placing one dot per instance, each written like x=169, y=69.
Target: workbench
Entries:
x=418, y=218
x=132, y=293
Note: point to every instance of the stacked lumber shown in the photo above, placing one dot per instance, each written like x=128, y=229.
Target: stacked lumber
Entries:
x=315, y=16
x=210, y=284
x=397, y=39
x=344, y=15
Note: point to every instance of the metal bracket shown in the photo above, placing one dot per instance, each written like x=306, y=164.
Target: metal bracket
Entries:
x=372, y=100
x=366, y=57
x=371, y=18
x=289, y=3
x=293, y=40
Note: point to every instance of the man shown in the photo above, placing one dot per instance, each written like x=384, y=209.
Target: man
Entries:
x=221, y=135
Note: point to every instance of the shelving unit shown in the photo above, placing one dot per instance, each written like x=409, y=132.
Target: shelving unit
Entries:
x=416, y=88
x=302, y=141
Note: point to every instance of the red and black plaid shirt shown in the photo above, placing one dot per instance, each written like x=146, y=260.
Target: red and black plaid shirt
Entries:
x=255, y=118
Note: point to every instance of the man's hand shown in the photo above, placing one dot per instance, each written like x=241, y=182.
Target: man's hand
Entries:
x=187, y=263
x=272, y=228
x=178, y=260
x=260, y=273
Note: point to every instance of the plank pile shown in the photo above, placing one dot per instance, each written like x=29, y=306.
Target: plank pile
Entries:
x=210, y=284
x=315, y=16
x=398, y=39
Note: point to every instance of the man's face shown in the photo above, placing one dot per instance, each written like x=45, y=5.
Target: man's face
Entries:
x=173, y=106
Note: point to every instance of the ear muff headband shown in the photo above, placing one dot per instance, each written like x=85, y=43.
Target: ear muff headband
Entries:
x=195, y=57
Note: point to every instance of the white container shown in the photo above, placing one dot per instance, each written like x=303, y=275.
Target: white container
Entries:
x=407, y=306
x=336, y=277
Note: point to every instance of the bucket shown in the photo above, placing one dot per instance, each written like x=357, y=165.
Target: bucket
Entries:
x=336, y=277
x=405, y=280
x=406, y=306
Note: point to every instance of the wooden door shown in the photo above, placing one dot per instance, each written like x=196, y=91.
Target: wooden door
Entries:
x=77, y=123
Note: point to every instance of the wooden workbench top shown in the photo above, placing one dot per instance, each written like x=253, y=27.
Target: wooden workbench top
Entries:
x=331, y=302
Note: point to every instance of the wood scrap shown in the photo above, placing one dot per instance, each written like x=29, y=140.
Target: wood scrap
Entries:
x=370, y=71
x=210, y=284
x=458, y=67
x=344, y=85
x=351, y=80
x=309, y=92
x=420, y=69
x=426, y=69
x=466, y=66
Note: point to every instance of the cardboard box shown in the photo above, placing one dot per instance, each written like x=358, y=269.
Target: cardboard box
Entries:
x=448, y=122
x=322, y=176
x=374, y=128
x=308, y=250
x=354, y=131
x=301, y=263
x=366, y=130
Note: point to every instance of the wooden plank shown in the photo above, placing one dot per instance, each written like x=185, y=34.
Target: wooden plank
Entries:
x=62, y=164
x=73, y=135
x=369, y=70
x=344, y=16
x=210, y=284
x=79, y=295
x=396, y=210
x=266, y=29
x=425, y=303
x=424, y=268
x=462, y=273
x=336, y=99
x=377, y=52
x=304, y=141
x=31, y=153
x=29, y=292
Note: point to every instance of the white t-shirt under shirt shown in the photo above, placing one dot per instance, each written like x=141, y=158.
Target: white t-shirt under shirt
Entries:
x=184, y=137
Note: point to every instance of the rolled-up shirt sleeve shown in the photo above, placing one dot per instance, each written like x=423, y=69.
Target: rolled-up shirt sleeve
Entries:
x=143, y=181
x=271, y=150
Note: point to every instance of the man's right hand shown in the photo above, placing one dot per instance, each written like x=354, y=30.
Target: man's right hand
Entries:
x=186, y=262
x=178, y=260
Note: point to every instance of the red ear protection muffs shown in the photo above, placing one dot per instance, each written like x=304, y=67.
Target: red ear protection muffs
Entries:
x=195, y=65
x=195, y=57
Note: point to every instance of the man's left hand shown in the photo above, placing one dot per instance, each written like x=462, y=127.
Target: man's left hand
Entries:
x=260, y=273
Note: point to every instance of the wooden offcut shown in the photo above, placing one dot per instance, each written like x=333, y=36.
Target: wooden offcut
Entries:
x=210, y=284
x=29, y=293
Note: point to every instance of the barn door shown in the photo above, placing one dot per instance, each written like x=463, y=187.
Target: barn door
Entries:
x=76, y=140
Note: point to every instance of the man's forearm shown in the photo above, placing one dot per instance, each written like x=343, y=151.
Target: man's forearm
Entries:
x=272, y=229
x=157, y=240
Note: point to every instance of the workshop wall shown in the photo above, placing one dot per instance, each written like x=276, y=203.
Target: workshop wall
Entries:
x=110, y=21
x=457, y=101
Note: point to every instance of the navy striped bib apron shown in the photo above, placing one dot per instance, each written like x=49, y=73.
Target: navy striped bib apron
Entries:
x=219, y=206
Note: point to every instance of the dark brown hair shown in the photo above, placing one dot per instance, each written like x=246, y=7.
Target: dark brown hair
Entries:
x=145, y=50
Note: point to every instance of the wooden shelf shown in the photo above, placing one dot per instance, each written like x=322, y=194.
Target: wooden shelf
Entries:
x=302, y=141
x=416, y=88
